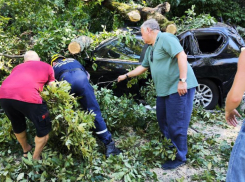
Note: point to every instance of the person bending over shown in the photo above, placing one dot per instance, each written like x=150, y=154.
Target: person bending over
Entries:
x=73, y=72
x=20, y=97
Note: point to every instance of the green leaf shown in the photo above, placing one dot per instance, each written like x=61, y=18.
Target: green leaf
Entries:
x=26, y=161
x=127, y=165
x=94, y=66
x=209, y=166
x=118, y=175
x=20, y=176
x=9, y=180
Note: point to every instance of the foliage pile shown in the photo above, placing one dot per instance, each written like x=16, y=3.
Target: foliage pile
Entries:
x=191, y=21
x=72, y=153
x=70, y=125
x=149, y=92
x=208, y=151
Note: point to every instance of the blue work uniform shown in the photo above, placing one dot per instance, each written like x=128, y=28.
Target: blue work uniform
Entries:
x=73, y=72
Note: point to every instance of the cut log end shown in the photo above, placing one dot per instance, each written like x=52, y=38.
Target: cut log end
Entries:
x=74, y=48
x=134, y=16
x=171, y=29
x=167, y=7
x=77, y=45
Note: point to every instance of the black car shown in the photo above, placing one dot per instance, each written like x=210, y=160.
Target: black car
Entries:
x=212, y=52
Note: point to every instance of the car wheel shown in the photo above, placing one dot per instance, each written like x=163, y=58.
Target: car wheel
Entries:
x=206, y=94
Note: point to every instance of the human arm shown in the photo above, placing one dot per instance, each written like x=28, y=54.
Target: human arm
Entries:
x=182, y=63
x=236, y=92
x=51, y=77
x=137, y=71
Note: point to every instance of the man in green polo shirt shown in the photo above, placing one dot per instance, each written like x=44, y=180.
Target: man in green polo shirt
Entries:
x=175, y=84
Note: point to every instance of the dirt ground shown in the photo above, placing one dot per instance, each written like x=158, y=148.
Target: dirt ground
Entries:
x=187, y=170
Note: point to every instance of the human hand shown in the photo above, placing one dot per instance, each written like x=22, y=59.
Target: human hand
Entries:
x=88, y=75
x=182, y=88
x=121, y=78
x=230, y=117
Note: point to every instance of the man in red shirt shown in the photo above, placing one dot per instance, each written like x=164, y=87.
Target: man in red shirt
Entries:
x=20, y=98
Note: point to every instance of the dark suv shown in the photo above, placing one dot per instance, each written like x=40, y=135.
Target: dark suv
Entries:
x=212, y=52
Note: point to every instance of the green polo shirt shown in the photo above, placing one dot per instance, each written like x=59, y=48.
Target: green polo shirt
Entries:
x=164, y=67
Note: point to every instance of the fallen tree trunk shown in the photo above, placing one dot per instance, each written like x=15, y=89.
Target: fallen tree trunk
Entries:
x=79, y=44
x=126, y=11
x=138, y=13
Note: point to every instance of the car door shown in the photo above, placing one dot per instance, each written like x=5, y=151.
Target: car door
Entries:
x=214, y=67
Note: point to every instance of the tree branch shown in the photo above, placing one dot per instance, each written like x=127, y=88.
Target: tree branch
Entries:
x=11, y=56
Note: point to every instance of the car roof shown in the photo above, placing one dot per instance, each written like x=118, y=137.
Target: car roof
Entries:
x=218, y=27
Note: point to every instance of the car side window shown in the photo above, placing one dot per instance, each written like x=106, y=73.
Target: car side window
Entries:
x=210, y=42
x=120, y=50
x=190, y=45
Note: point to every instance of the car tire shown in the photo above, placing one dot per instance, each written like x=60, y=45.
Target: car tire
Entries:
x=207, y=94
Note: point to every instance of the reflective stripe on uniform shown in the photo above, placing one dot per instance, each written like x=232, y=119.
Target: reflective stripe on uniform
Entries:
x=100, y=132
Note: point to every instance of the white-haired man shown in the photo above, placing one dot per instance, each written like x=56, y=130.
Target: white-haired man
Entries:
x=175, y=84
x=20, y=97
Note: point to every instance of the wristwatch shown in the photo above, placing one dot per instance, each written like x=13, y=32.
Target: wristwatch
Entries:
x=183, y=80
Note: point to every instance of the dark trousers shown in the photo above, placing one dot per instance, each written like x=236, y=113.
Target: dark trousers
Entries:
x=82, y=88
x=173, y=115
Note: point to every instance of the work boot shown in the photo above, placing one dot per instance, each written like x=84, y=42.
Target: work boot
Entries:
x=111, y=149
x=172, y=164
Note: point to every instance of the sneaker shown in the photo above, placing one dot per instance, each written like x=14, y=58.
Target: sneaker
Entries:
x=111, y=149
x=172, y=164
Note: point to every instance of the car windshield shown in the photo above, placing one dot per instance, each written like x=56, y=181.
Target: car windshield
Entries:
x=115, y=49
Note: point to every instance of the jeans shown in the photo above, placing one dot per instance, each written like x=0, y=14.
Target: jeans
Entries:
x=81, y=87
x=236, y=168
x=173, y=115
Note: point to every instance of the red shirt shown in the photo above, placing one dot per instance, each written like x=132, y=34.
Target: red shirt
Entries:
x=26, y=81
